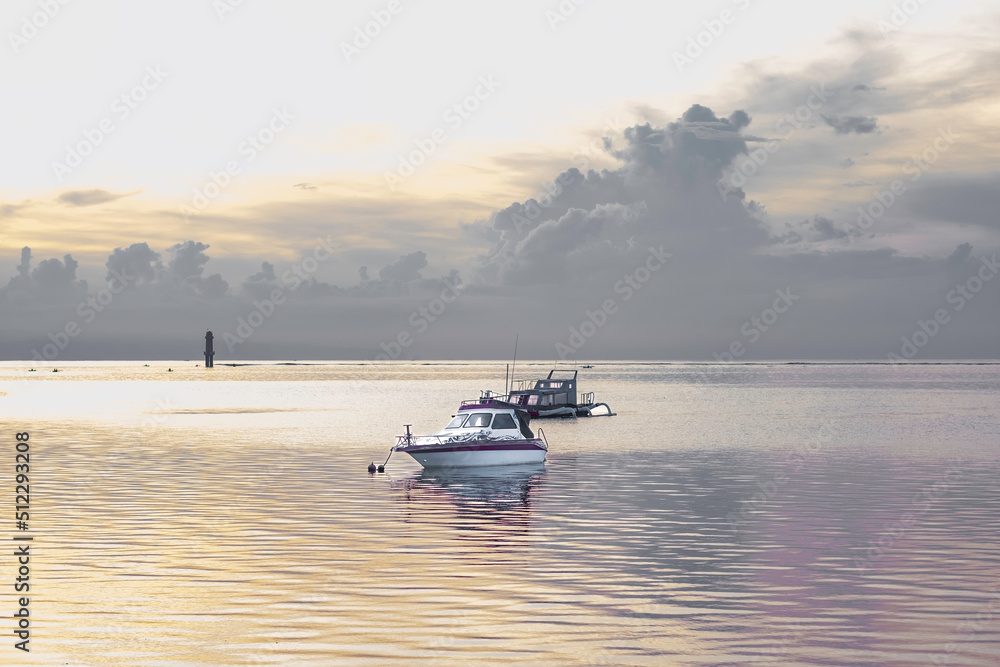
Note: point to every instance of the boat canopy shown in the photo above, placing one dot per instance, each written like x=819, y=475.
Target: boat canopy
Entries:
x=559, y=388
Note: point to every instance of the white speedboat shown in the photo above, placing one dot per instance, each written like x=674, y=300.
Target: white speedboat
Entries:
x=485, y=432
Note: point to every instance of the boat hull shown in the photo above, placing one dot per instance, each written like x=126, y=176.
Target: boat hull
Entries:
x=582, y=410
x=477, y=453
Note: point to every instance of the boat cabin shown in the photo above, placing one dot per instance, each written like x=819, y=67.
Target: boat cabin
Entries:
x=490, y=414
x=558, y=389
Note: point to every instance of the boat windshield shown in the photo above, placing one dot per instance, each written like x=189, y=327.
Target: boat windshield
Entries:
x=502, y=421
x=456, y=422
x=479, y=420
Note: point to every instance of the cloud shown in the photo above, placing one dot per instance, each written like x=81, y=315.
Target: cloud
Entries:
x=24, y=268
x=186, y=265
x=187, y=260
x=848, y=124
x=89, y=197
x=138, y=265
x=960, y=257
x=405, y=269
x=53, y=280
x=11, y=210
x=813, y=230
x=971, y=199
x=262, y=283
x=826, y=230
x=213, y=287
x=593, y=225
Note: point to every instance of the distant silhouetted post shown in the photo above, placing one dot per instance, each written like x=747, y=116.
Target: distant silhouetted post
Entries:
x=209, y=351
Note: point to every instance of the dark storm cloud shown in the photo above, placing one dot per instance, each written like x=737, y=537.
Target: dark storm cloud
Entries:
x=88, y=197
x=723, y=263
x=855, y=124
x=589, y=226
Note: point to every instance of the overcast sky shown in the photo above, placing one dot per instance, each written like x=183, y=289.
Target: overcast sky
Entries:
x=634, y=180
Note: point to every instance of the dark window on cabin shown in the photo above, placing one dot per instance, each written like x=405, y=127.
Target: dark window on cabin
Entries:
x=504, y=421
x=560, y=398
x=479, y=420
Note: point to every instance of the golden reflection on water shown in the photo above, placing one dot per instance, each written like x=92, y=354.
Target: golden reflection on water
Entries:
x=240, y=528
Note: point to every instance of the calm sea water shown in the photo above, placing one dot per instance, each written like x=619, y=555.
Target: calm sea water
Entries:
x=772, y=514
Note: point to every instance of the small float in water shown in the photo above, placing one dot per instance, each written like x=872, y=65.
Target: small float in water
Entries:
x=485, y=432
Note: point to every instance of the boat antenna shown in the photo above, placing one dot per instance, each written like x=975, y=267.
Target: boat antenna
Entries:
x=513, y=364
x=506, y=380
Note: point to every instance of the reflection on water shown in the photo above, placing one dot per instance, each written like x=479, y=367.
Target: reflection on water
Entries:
x=492, y=505
x=814, y=533
x=487, y=492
